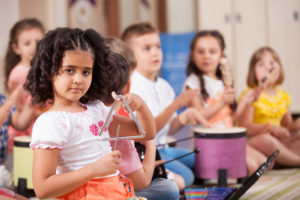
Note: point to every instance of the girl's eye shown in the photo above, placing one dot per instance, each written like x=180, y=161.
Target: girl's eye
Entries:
x=86, y=73
x=261, y=64
x=158, y=46
x=200, y=51
x=147, y=48
x=69, y=71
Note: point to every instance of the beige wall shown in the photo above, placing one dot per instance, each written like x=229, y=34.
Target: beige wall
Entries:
x=9, y=15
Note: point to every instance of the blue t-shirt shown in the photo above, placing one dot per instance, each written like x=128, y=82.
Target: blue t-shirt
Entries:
x=3, y=132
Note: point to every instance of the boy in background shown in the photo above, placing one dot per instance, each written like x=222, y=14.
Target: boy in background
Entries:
x=144, y=41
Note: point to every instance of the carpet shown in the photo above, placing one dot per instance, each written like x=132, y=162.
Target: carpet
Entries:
x=283, y=184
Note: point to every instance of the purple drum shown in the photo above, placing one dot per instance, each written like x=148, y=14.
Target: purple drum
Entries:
x=220, y=149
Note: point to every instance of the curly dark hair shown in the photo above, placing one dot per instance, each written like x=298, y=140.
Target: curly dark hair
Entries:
x=193, y=69
x=110, y=70
x=11, y=58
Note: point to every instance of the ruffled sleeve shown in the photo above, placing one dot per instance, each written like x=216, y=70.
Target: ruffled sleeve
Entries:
x=51, y=130
x=192, y=81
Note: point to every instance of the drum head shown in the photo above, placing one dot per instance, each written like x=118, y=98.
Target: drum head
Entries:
x=234, y=132
x=22, y=141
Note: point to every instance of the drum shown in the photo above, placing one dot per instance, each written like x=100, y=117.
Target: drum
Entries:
x=220, y=149
x=23, y=158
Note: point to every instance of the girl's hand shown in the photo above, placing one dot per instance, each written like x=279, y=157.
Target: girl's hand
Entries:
x=280, y=132
x=228, y=96
x=185, y=98
x=15, y=97
x=193, y=116
x=108, y=164
x=251, y=96
x=134, y=101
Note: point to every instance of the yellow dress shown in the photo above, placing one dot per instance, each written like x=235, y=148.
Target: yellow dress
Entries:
x=270, y=109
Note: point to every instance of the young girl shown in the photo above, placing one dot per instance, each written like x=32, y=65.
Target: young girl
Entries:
x=71, y=160
x=216, y=98
x=268, y=118
x=23, y=38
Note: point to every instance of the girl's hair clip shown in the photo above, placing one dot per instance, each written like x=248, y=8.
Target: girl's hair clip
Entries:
x=108, y=117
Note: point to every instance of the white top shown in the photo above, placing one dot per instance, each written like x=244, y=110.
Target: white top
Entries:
x=158, y=95
x=75, y=134
x=215, y=89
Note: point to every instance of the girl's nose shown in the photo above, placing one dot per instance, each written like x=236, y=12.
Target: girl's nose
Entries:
x=77, y=78
x=206, y=54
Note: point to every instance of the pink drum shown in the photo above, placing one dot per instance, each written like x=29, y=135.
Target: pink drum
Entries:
x=220, y=149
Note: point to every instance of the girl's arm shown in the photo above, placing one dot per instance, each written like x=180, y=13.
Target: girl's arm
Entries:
x=128, y=126
x=245, y=102
x=246, y=120
x=22, y=118
x=210, y=111
x=289, y=123
x=49, y=184
x=4, y=111
x=181, y=101
x=189, y=116
x=8, y=104
x=141, y=178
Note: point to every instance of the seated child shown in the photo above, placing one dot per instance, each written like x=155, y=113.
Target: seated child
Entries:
x=73, y=159
x=208, y=70
x=140, y=173
x=144, y=41
x=268, y=118
x=11, y=115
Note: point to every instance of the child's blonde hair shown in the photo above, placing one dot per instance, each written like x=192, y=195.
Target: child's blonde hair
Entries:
x=120, y=47
x=257, y=55
x=138, y=29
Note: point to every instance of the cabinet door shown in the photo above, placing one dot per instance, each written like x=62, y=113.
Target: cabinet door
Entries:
x=284, y=38
x=249, y=34
x=216, y=14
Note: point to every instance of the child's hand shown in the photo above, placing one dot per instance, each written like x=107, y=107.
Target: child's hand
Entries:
x=185, y=97
x=15, y=97
x=134, y=101
x=226, y=72
x=108, y=164
x=228, y=96
x=251, y=96
x=193, y=116
x=280, y=132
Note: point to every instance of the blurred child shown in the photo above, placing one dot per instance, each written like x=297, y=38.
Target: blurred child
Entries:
x=144, y=40
x=9, y=114
x=208, y=70
x=267, y=118
x=23, y=39
x=140, y=174
x=72, y=158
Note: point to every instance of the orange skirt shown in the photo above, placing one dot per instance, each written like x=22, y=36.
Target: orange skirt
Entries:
x=114, y=188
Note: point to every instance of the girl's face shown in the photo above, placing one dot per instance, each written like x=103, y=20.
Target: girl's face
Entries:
x=206, y=55
x=74, y=77
x=26, y=44
x=267, y=69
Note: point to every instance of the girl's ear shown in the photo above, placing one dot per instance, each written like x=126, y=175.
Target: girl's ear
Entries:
x=15, y=48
